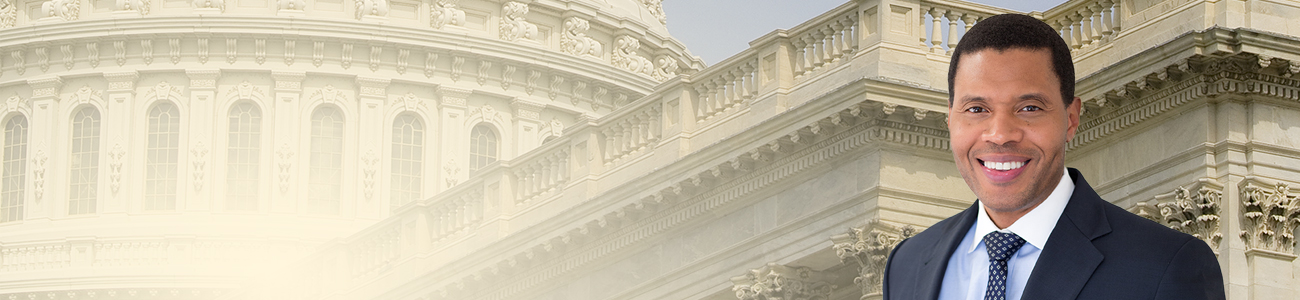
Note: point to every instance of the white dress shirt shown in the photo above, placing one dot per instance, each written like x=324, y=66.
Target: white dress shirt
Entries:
x=967, y=276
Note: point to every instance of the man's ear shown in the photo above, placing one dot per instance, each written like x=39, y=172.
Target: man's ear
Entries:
x=1072, y=116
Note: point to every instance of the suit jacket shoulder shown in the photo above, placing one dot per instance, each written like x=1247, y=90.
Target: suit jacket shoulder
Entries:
x=916, y=266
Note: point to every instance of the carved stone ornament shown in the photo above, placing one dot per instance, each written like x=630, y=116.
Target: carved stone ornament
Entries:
x=410, y=102
x=1192, y=211
x=625, y=56
x=777, y=282
x=514, y=24
x=8, y=14
x=575, y=40
x=217, y=4
x=14, y=103
x=137, y=5
x=199, y=159
x=328, y=94
x=444, y=12
x=39, y=171
x=656, y=8
x=286, y=160
x=67, y=10
x=378, y=8
x=294, y=5
x=370, y=161
x=452, y=172
x=1270, y=216
x=115, y=167
x=665, y=68
x=487, y=112
x=868, y=246
x=86, y=94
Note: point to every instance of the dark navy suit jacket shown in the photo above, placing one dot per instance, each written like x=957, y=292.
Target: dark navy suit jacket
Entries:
x=1096, y=251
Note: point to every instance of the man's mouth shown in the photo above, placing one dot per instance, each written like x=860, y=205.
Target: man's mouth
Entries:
x=1003, y=166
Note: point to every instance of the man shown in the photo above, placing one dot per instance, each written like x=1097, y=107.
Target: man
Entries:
x=1037, y=231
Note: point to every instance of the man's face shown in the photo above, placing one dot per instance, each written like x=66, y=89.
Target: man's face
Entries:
x=1009, y=127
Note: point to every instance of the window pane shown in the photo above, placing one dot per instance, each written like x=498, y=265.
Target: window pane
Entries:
x=83, y=170
x=162, y=154
x=483, y=147
x=326, y=177
x=15, y=158
x=408, y=145
x=242, y=157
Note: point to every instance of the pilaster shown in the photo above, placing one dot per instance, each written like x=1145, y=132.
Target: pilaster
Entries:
x=373, y=96
x=1269, y=214
x=287, y=97
x=527, y=123
x=868, y=247
x=121, y=106
x=455, y=136
x=777, y=281
x=203, y=91
x=42, y=145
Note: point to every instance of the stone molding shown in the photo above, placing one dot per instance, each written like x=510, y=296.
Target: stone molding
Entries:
x=1187, y=80
x=869, y=246
x=1269, y=216
x=692, y=197
x=776, y=282
x=514, y=23
x=1194, y=211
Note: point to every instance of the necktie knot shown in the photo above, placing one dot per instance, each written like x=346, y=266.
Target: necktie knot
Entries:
x=1001, y=245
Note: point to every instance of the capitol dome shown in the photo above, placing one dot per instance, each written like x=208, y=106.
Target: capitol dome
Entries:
x=182, y=149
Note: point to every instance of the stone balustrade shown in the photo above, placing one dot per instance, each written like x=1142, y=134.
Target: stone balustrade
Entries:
x=631, y=132
x=825, y=40
x=543, y=173
x=1085, y=24
x=958, y=15
x=726, y=87
x=37, y=257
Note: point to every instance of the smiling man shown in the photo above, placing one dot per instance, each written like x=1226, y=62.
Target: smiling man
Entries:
x=1038, y=230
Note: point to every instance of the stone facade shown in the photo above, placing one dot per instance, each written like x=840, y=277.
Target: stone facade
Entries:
x=620, y=169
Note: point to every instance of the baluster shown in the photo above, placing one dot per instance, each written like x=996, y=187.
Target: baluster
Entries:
x=622, y=137
x=1066, y=33
x=809, y=54
x=826, y=45
x=1097, y=26
x=837, y=40
x=936, y=34
x=609, y=144
x=952, y=30
x=1085, y=26
x=925, y=38
x=798, y=56
x=748, y=87
x=1077, y=32
x=1114, y=18
x=1106, y=15
x=701, y=101
x=719, y=95
x=850, y=42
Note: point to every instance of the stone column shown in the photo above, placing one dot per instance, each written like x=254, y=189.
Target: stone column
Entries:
x=119, y=141
x=455, y=136
x=45, y=163
x=285, y=107
x=527, y=119
x=868, y=247
x=776, y=281
x=373, y=97
x=202, y=129
x=1269, y=214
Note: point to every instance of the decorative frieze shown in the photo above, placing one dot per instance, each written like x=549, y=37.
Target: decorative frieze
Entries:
x=115, y=167
x=38, y=170
x=453, y=97
x=1192, y=211
x=625, y=56
x=45, y=88
x=203, y=79
x=68, y=59
x=121, y=82
x=20, y=61
x=869, y=246
x=365, y=8
x=43, y=59
x=293, y=6
x=444, y=12
x=92, y=54
x=142, y=6
x=575, y=40
x=514, y=22
x=8, y=14
x=146, y=51
x=285, y=155
x=430, y=64
x=370, y=162
x=775, y=282
x=219, y=5
x=483, y=67
x=290, y=51
x=67, y=10
x=318, y=53
x=375, y=52
x=403, y=59
x=1270, y=215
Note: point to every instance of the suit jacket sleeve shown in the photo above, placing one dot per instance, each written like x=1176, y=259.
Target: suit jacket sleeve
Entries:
x=1192, y=274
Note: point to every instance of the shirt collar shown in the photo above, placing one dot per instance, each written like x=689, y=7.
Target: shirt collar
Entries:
x=1037, y=225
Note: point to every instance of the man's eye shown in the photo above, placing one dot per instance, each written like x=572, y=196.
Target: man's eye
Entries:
x=976, y=109
x=1031, y=108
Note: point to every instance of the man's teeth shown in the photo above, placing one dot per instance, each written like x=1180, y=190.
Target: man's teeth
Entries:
x=1003, y=166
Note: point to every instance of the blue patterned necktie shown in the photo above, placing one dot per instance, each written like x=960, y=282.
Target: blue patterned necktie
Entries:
x=1001, y=246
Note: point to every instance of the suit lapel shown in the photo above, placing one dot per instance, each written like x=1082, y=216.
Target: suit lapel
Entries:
x=1069, y=258
x=932, y=271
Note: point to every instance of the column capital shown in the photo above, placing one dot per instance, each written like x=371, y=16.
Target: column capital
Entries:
x=869, y=246
x=290, y=81
x=121, y=81
x=1193, y=210
x=45, y=87
x=1269, y=211
x=203, y=79
x=373, y=87
x=777, y=281
x=526, y=110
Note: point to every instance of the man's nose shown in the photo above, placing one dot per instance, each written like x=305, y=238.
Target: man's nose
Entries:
x=1004, y=128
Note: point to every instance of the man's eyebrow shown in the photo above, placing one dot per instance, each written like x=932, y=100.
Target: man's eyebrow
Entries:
x=967, y=99
x=1033, y=96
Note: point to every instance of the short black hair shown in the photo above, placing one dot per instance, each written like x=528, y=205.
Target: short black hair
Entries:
x=1015, y=31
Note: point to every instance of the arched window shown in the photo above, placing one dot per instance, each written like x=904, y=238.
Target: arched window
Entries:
x=408, y=159
x=161, y=156
x=83, y=166
x=482, y=147
x=326, y=183
x=244, y=145
x=15, y=169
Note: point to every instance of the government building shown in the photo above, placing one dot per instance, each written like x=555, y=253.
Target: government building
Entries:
x=573, y=149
